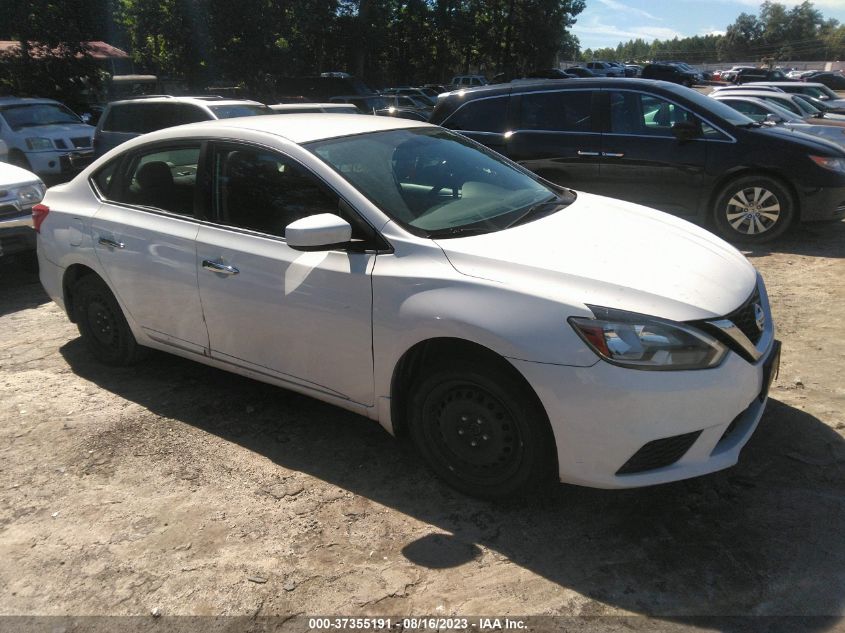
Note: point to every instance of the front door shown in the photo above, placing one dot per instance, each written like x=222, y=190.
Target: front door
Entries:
x=300, y=317
x=643, y=161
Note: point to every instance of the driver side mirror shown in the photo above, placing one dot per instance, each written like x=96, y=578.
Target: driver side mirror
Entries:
x=321, y=232
x=772, y=119
x=86, y=118
x=686, y=130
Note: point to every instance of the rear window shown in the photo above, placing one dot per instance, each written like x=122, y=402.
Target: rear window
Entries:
x=238, y=109
x=481, y=115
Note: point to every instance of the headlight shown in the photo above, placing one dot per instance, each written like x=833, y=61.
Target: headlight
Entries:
x=639, y=341
x=35, y=142
x=29, y=195
x=834, y=164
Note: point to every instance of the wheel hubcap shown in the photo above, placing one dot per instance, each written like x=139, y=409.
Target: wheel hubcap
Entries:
x=753, y=210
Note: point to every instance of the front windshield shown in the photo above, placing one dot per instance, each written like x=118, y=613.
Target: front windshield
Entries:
x=824, y=92
x=37, y=114
x=434, y=182
x=807, y=106
x=238, y=109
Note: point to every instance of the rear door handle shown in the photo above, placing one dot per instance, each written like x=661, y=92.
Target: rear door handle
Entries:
x=217, y=267
x=582, y=153
x=105, y=241
x=613, y=154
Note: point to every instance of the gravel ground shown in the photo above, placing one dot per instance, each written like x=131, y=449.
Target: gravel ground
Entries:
x=178, y=487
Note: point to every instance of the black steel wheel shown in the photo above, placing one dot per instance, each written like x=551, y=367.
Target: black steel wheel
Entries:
x=754, y=209
x=481, y=430
x=101, y=323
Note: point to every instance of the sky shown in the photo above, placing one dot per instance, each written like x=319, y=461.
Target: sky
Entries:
x=608, y=22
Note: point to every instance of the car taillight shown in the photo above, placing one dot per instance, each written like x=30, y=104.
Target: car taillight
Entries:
x=39, y=214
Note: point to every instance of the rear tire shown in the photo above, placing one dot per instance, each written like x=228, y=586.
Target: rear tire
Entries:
x=481, y=430
x=753, y=210
x=102, y=325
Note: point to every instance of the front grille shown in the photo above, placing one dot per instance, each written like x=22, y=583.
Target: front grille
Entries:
x=659, y=453
x=81, y=141
x=745, y=319
x=59, y=143
x=9, y=211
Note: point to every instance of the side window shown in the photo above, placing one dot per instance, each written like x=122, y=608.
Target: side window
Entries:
x=637, y=113
x=163, y=179
x=184, y=113
x=751, y=110
x=481, y=115
x=263, y=191
x=565, y=111
x=785, y=103
x=104, y=176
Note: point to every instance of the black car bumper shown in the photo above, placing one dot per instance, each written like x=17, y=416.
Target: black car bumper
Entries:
x=823, y=203
x=16, y=240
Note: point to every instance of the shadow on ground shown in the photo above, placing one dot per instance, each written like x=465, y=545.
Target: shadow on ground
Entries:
x=761, y=538
x=19, y=285
x=816, y=239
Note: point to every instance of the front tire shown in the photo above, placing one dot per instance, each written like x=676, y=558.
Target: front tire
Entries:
x=101, y=323
x=753, y=210
x=481, y=430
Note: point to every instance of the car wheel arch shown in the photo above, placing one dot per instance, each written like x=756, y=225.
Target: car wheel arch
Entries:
x=72, y=275
x=430, y=353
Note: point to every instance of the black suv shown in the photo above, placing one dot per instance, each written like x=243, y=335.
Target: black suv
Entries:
x=671, y=72
x=746, y=75
x=657, y=144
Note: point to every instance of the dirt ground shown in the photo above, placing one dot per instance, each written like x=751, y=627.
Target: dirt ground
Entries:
x=177, y=487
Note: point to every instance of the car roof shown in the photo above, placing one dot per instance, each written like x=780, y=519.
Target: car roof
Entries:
x=299, y=128
x=194, y=100
x=493, y=90
x=778, y=84
x=25, y=100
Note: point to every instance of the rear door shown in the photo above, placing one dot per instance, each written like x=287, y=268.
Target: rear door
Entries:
x=557, y=135
x=144, y=237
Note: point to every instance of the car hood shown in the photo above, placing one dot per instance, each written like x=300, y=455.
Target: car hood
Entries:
x=58, y=130
x=615, y=254
x=11, y=176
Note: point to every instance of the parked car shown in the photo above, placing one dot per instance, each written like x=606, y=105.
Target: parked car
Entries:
x=671, y=72
x=20, y=190
x=769, y=113
x=44, y=136
x=633, y=70
x=748, y=75
x=369, y=104
x=835, y=81
x=124, y=120
x=323, y=88
x=604, y=69
x=660, y=145
x=438, y=88
x=516, y=331
x=407, y=102
x=468, y=81
x=830, y=101
x=4, y=152
x=579, y=71
x=797, y=103
x=730, y=75
x=303, y=108
x=417, y=94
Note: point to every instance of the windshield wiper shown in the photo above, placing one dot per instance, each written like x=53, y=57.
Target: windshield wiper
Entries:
x=457, y=231
x=538, y=210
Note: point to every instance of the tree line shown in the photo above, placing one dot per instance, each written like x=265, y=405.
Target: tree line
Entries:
x=776, y=33
x=253, y=42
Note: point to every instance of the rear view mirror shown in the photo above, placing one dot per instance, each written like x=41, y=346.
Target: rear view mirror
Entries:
x=685, y=130
x=321, y=232
x=772, y=119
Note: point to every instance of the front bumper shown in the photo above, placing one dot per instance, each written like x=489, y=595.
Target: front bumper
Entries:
x=603, y=415
x=16, y=233
x=58, y=163
x=822, y=203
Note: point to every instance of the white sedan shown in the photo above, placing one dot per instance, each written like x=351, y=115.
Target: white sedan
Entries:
x=515, y=330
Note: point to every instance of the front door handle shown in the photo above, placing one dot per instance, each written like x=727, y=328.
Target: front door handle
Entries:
x=105, y=241
x=613, y=154
x=217, y=267
x=583, y=153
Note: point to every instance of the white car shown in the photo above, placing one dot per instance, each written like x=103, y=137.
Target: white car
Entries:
x=514, y=329
x=44, y=136
x=19, y=191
